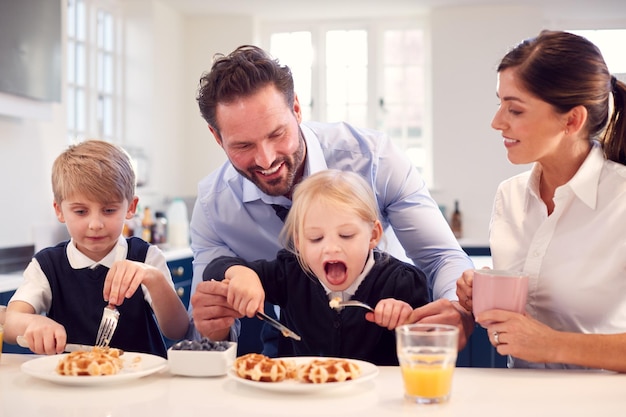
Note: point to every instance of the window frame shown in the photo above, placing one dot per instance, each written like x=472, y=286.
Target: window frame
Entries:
x=375, y=83
x=89, y=123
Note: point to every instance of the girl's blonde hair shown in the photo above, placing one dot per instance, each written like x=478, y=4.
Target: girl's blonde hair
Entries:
x=94, y=168
x=341, y=189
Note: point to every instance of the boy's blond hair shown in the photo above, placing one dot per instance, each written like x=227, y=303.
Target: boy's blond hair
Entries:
x=341, y=189
x=97, y=169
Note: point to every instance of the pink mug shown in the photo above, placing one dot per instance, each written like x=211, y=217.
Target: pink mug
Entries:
x=499, y=289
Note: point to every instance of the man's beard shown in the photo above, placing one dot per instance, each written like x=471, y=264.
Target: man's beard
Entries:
x=282, y=185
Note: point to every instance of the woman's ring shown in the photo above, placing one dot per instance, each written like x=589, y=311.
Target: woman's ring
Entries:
x=496, y=338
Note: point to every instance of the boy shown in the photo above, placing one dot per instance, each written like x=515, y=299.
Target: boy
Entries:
x=94, y=193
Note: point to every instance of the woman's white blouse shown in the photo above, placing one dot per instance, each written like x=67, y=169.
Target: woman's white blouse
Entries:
x=576, y=257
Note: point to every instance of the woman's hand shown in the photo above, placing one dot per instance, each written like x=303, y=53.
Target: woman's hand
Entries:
x=520, y=335
x=464, y=289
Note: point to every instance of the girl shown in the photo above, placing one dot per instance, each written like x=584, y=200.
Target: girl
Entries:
x=330, y=236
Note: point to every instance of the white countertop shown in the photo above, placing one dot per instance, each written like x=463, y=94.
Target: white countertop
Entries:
x=475, y=392
x=175, y=254
x=10, y=281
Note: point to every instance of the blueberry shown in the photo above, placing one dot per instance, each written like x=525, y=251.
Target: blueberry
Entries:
x=178, y=345
x=204, y=344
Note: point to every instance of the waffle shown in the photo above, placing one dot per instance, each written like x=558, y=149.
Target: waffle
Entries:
x=334, y=303
x=98, y=361
x=320, y=371
x=257, y=367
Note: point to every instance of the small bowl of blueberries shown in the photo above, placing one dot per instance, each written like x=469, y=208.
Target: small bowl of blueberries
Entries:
x=201, y=357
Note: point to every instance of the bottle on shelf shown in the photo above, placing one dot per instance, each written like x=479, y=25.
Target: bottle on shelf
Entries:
x=128, y=230
x=135, y=225
x=456, y=221
x=159, y=233
x=177, y=224
x=147, y=225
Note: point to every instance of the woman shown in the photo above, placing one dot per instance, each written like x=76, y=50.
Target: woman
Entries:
x=563, y=222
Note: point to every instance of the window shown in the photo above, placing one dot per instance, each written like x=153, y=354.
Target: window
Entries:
x=346, y=72
x=369, y=74
x=297, y=47
x=94, y=104
x=611, y=43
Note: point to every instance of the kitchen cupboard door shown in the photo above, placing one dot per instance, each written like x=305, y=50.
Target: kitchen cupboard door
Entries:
x=5, y=297
x=479, y=353
x=182, y=274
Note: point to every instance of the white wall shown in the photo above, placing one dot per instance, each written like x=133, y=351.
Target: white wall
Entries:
x=167, y=52
x=155, y=95
x=204, y=37
x=27, y=149
x=469, y=158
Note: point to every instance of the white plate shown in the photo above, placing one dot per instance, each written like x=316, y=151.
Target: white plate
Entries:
x=136, y=365
x=368, y=371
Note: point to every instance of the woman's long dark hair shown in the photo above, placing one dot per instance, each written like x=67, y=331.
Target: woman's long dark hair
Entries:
x=568, y=70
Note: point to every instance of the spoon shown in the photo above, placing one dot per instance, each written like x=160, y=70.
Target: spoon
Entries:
x=337, y=304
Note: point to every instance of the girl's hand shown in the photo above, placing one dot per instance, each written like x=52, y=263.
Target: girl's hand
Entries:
x=245, y=292
x=390, y=313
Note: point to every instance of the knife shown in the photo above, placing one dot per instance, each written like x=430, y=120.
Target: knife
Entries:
x=287, y=332
x=74, y=347
x=69, y=347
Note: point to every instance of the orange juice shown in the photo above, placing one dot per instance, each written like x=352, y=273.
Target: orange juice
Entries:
x=3, y=310
x=427, y=356
x=427, y=381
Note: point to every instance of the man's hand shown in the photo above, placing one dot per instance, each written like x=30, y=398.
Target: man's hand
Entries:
x=444, y=311
x=212, y=315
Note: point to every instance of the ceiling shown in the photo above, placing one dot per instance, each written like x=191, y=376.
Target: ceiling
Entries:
x=571, y=9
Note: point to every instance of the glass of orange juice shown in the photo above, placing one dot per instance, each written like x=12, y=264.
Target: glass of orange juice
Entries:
x=2, y=313
x=427, y=355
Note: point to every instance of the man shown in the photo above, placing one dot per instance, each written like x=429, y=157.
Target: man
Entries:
x=249, y=103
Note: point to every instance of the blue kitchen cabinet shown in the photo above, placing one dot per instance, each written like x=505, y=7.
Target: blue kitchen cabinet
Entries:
x=6, y=347
x=182, y=275
x=479, y=353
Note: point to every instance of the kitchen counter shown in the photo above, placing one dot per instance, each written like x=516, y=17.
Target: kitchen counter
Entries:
x=475, y=392
x=10, y=281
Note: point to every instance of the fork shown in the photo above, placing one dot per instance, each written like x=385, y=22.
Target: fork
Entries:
x=110, y=315
x=108, y=324
x=337, y=304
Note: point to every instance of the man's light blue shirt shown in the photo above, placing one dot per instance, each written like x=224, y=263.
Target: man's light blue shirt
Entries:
x=233, y=217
